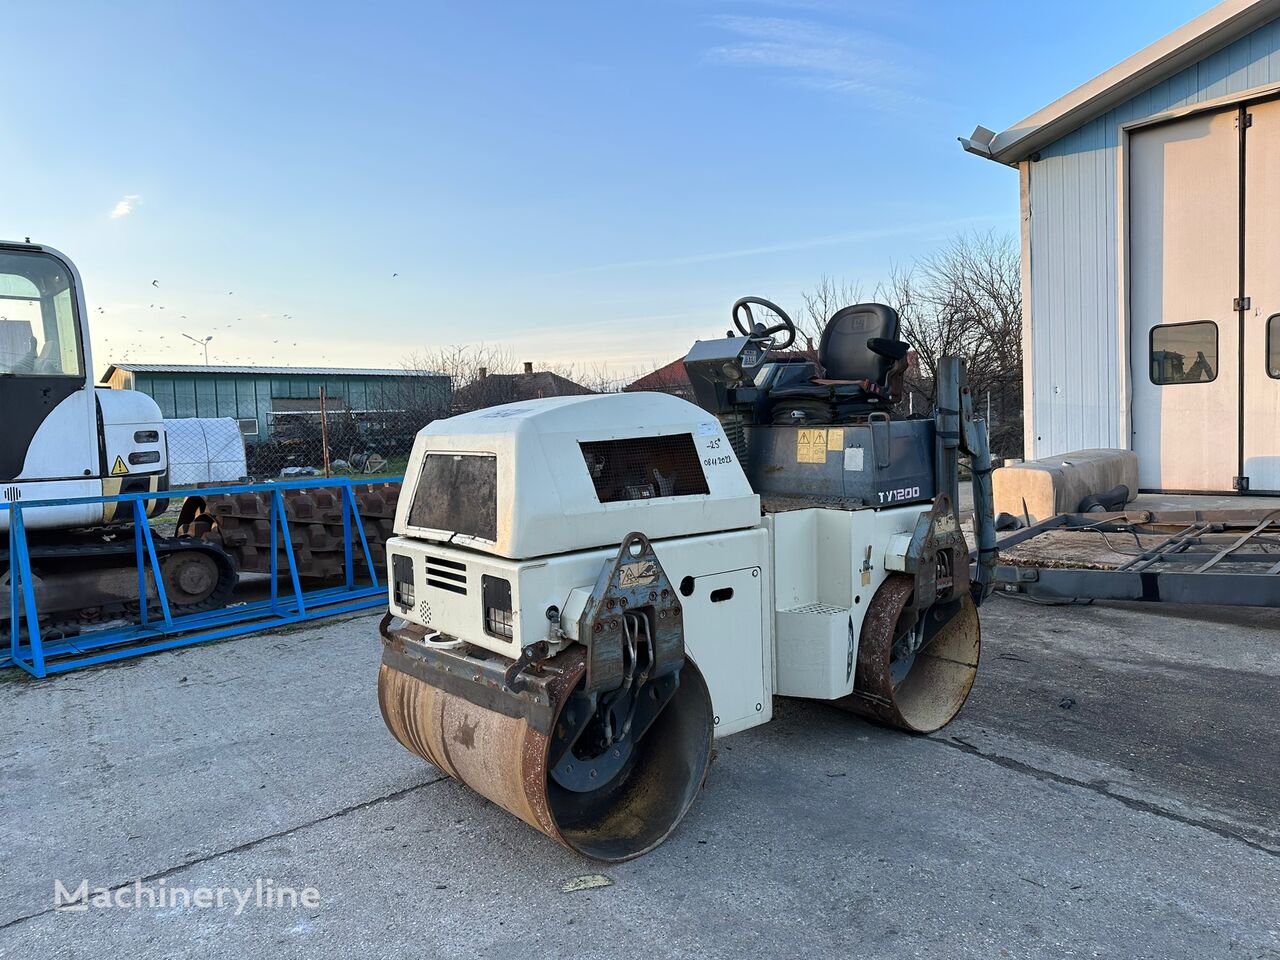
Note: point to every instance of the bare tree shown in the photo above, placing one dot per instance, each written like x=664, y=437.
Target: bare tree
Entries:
x=596, y=377
x=423, y=392
x=966, y=300
x=468, y=368
x=486, y=375
x=820, y=303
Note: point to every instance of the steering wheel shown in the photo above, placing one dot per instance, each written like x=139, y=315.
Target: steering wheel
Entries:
x=758, y=331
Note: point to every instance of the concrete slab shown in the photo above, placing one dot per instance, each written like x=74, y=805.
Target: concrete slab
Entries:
x=1043, y=488
x=1165, y=501
x=1109, y=791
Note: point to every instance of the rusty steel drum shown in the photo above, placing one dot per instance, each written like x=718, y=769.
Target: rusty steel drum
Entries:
x=923, y=692
x=505, y=758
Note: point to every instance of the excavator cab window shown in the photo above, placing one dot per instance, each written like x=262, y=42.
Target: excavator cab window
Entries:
x=39, y=330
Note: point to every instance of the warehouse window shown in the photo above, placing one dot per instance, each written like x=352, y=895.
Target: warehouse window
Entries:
x=1273, y=346
x=1184, y=352
x=640, y=468
x=248, y=427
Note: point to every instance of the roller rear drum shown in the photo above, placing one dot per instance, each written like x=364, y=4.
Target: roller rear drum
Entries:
x=917, y=689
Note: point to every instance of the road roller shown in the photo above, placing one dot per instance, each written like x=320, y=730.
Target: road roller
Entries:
x=585, y=592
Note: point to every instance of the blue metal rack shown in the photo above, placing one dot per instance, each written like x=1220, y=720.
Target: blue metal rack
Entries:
x=30, y=652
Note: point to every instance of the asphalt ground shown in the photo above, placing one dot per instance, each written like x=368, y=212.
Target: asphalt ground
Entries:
x=1109, y=791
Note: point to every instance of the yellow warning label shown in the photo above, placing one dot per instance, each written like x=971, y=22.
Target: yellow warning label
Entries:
x=835, y=439
x=118, y=467
x=811, y=446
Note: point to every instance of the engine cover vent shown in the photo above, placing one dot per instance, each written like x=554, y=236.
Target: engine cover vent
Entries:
x=642, y=468
x=450, y=575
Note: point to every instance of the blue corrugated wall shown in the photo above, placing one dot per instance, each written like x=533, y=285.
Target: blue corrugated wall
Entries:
x=249, y=397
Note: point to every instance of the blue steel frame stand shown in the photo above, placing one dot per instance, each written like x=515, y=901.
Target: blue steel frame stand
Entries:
x=29, y=651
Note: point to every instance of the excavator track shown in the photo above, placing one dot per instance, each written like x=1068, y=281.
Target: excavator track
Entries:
x=79, y=584
x=240, y=523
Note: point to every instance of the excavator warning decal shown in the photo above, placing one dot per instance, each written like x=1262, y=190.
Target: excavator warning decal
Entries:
x=118, y=467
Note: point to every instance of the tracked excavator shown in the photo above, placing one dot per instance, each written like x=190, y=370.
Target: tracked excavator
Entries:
x=62, y=438
x=584, y=592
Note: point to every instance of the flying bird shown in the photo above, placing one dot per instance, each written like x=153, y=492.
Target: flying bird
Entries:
x=395, y=274
x=155, y=283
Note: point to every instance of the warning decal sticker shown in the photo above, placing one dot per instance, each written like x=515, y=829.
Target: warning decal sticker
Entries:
x=811, y=445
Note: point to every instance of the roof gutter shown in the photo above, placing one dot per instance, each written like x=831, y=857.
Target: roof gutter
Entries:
x=979, y=142
x=1190, y=43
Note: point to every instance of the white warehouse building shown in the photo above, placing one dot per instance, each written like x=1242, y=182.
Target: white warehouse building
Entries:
x=1151, y=257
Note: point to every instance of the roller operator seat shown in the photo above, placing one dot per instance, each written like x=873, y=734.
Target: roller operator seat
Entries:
x=858, y=352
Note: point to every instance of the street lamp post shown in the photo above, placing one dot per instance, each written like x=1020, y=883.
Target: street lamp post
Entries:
x=201, y=343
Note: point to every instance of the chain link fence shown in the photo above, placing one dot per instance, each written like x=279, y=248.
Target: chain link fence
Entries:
x=295, y=444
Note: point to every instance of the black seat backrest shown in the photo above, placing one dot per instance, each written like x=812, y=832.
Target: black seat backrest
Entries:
x=845, y=351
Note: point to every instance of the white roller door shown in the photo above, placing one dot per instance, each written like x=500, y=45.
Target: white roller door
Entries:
x=1184, y=271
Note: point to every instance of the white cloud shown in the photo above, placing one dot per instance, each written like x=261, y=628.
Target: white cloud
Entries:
x=839, y=239
x=822, y=57
x=125, y=206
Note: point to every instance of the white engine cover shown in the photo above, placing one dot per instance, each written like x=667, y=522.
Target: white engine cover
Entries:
x=127, y=417
x=545, y=499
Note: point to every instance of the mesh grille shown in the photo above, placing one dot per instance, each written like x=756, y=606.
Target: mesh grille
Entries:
x=495, y=596
x=640, y=468
x=822, y=609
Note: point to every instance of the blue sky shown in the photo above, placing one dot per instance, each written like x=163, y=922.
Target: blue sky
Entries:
x=585, y=183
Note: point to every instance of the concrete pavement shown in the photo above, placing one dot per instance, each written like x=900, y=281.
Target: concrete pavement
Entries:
x=1109, y=791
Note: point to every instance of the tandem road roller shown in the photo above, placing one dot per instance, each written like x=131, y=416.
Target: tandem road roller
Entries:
x=585, y=591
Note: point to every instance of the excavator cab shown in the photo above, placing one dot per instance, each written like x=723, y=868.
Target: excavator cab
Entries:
x=51, y=422
x=39, y=329
x=65, y=442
